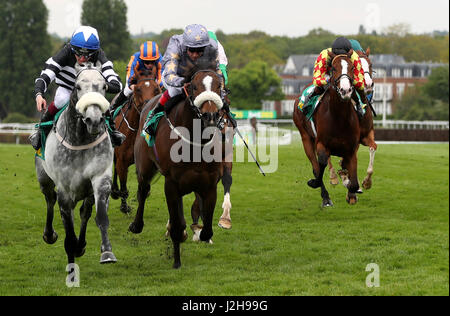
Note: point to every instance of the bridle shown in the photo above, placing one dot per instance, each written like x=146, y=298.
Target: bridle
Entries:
x=197, y=114
x=335, y=82
x=132, y=103
x=203, y=116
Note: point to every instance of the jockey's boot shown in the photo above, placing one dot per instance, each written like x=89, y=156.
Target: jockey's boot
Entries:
x=318, y=90
x=360, y=103
x=121, y=99
x=117, y=138
x=158, y=108
x=35, y=138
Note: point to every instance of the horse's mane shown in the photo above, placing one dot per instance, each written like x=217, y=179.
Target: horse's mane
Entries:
x=204, y=63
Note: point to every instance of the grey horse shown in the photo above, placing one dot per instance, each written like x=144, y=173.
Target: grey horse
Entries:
x=78, y=162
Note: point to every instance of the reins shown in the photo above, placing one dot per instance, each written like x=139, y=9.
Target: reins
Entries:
x=197, y=113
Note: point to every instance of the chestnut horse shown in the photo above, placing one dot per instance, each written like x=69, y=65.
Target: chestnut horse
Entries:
x=202, y=107
x=367, y=137
x=335, y=129
x=127, y=122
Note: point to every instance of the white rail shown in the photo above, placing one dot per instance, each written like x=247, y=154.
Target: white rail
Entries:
x=397, y=124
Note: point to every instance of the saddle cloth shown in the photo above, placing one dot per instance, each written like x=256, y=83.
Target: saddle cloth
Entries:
x=308, y=109
x=49, y=124
x=153, y=123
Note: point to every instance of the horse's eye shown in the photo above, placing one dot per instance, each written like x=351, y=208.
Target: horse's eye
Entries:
x=194, y=87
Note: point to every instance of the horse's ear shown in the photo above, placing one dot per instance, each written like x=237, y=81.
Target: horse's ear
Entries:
x=350, y=53
x=368, y=51
x=98, y=66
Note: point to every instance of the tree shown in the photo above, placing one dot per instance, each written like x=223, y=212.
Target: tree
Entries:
x=109, y=17
x=437, y=85
x=253, y=84
x=24, y=47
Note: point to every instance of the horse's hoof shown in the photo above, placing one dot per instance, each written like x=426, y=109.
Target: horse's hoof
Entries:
x=177, y=265
x=334, y=181
x=50, y=239
x=352, y=199
x=225, y=223
x=107, y=257
x=360, y=191
x=114, y=194
x=367, y=184
x=313, y=183
x=136, y=229
x=125, y=208
x=327, y=203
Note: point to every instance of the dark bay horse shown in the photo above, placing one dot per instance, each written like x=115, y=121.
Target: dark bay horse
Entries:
x=78, y=162
x=127, y=122
x=367, y=137
x=193, y=172
x=335, y=129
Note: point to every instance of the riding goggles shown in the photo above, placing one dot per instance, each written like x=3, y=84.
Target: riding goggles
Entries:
x=80, y=51
x=196, y=49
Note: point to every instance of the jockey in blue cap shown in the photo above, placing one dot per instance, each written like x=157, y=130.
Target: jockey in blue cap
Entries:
x=84, y=47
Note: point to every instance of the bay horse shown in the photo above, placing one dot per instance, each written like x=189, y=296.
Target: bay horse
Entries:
x=201, y=108
x=335, y=129
x=367, y=137
x=127, y=122
x=78, y=162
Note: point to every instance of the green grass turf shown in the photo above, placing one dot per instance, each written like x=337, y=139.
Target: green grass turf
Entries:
x=282, y=242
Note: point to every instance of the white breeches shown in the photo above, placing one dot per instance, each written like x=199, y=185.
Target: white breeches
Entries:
x=62, y=96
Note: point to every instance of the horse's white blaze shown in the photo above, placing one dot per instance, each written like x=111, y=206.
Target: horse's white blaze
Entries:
x=367, y=79
x=345, y=83
x=208, y=94
x=207, y=82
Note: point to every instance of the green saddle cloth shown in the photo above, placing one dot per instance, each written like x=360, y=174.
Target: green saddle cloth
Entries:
x=153, y=123
x=41, y=151
x=308, y=109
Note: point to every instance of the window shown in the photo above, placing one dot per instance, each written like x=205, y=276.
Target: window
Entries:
x=378, y=92
x=407, y=73
x=288, y=89
x=396, y=72
x=305, y=71
x=379, y=73
x=400, y=89
x=287, y=106
x=268, y=105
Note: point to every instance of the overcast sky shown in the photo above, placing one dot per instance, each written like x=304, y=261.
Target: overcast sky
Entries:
x=276, y=17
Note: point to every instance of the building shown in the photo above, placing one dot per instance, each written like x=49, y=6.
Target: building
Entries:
x=392, y=75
